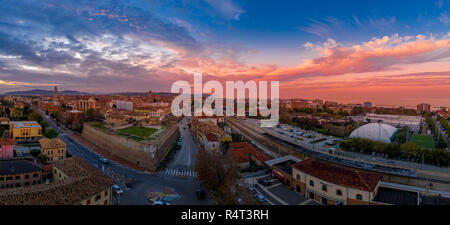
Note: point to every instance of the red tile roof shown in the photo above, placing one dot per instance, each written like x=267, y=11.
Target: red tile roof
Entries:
x=211, y=137
x=240, y=151
x=83, y=182
x=6, y=141
x=339, y=175
x=47, y=168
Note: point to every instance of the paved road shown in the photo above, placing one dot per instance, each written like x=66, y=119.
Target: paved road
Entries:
x=183, y=164
x=140, y=182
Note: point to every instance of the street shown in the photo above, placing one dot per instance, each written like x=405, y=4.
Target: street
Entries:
x=139, y=182
x=184, y=162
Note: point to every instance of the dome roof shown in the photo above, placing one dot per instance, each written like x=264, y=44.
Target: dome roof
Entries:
x=376, y=132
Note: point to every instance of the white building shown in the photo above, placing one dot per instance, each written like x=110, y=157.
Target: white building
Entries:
x=412, y=122
x=376, y=132
x=122, y=105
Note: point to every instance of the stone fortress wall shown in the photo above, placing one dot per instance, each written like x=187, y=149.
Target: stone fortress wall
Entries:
x=146, y=154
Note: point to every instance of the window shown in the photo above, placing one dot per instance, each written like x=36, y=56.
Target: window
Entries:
x=298, y=177
x=106, y=202
x=359, y=196
x=311, y=183
x=35, y=175
x=97, y=197
x=9, y=178
x=106, y=193
x=88, y=202
x=27, y=176
x=324, y=188
x=17, y=184
x=338, y=192
x=17, y=177
x=2, y=178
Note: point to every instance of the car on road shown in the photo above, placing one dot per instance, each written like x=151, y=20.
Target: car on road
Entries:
x=103, y=160
x=266, y=182
x=160, y=203
x=260, y=198
x=200, y=194
x=117, y=189
x=252, y=189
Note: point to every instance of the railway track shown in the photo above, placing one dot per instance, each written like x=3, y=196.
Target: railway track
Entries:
x=274, y=147
x=277, y=145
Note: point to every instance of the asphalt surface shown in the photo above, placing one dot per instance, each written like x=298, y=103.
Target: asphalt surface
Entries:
x=183, y=164
x=139, y=182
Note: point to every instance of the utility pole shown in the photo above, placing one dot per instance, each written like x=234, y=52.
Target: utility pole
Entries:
x=379, y=130
x=423, y=154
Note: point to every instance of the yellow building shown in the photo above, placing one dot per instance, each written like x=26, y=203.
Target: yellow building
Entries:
x=54, y=149
x=25, y=130
x=332, y=184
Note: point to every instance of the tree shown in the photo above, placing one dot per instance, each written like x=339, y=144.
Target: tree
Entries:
x=51, y=133
x=402, y=135
x=90, y=114
x=35, y=152
x=34, y=116
x=42, y=158
x=285, y=117
x=218, y=174
x=44, y=124
x=236, y=137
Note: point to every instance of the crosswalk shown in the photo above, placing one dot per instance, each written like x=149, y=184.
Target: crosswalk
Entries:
x=180, y=173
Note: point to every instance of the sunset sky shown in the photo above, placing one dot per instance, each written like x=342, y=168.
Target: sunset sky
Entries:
x=387, y=52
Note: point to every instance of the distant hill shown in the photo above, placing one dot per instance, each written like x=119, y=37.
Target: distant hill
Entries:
x=46, y=92
x=144, y=94
x=70, y=92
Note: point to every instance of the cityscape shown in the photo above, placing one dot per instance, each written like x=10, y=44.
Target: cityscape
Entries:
x=86, y=107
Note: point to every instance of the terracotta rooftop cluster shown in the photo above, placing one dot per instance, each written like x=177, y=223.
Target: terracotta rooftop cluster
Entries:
x=52, y=143
x=240, y=152
x=83, y=182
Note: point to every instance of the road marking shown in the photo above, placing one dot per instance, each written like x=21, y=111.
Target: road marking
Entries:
x=306, y=202
x=176, y=172
x=272, y=195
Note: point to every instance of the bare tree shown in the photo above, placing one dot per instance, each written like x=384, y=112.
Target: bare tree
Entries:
x=218, y=173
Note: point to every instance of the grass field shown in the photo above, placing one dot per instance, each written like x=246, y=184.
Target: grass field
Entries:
x=423, y=141
x=139, y=131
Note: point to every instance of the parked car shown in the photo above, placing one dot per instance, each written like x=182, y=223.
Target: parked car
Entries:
x=160, y=203
x=117, y=189
x=103, y=160
x=201, y=194
x=260, y=198
x=266, y=182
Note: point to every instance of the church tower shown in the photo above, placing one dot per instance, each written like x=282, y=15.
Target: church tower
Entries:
x=150, y=96
x=55, y=96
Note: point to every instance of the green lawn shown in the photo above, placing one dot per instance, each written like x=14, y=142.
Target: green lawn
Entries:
x=423, y=141
x=139, y=131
